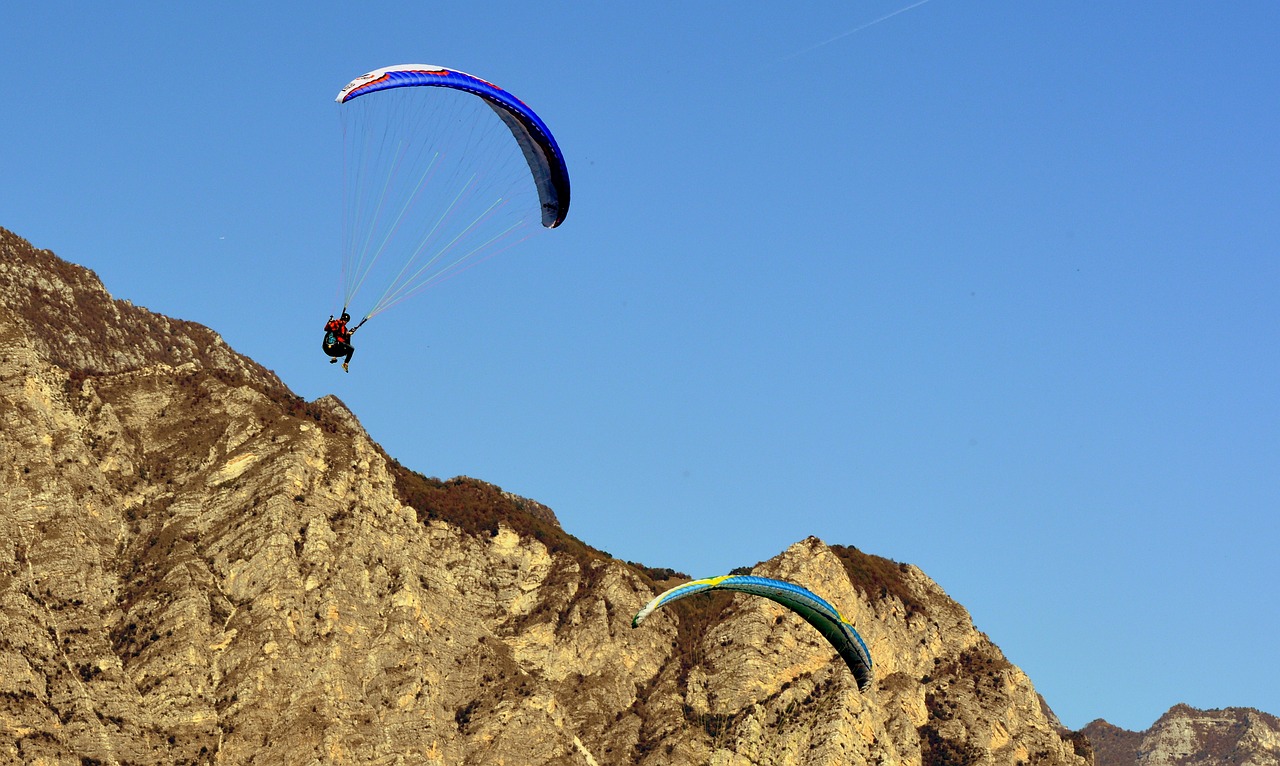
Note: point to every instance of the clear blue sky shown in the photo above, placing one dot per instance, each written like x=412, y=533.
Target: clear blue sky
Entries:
x=991, y=288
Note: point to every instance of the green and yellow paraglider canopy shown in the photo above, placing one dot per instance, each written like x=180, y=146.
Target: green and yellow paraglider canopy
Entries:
x=813, y=608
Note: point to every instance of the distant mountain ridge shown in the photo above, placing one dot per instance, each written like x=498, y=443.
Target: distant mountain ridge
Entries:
x=1185, y=736
x=201, y=567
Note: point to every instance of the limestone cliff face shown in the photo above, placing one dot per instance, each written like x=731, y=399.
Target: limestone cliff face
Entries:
x=1185, y=736
x=199, y=567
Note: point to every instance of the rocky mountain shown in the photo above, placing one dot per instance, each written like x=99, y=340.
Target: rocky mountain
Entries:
x=199, y=567
x=1185, y=736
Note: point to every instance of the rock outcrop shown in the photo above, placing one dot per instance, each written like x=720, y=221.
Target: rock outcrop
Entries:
x=200, y=567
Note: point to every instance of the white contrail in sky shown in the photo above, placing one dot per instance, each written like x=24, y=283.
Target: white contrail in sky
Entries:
x=859, y=28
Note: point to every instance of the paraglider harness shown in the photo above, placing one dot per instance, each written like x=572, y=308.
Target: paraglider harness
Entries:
x=337, y=338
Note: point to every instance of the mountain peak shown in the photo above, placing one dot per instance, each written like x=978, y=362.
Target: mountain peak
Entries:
x=199, y=566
